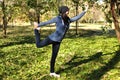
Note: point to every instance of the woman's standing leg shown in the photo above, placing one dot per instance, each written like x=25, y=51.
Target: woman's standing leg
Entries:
x=55, y=49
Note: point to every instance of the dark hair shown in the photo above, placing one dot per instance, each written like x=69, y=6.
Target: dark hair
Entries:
x=63, y=9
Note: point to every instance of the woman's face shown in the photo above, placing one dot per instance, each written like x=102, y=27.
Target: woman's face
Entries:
x=66, y=14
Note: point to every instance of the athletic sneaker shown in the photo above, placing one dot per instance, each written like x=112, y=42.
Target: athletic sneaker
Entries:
x=54, y=74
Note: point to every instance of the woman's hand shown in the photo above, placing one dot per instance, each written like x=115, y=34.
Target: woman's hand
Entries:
x=86, y=7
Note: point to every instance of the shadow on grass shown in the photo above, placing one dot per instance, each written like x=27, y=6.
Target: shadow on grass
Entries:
x=23, y=35
x=81, y=33
x=97, y=74
x=2, y=54
x=88, y=33
x=75, y=64
x=20, y=40
x=18, y=35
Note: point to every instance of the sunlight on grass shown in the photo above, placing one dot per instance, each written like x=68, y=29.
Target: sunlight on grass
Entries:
x=87, y=56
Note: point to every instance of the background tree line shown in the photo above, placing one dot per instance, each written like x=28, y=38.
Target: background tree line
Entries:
x=33, y=10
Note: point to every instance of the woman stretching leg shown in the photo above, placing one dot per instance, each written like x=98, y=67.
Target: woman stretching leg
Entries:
x=62, y=22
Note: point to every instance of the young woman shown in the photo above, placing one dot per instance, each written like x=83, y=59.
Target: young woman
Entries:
x=62, y=22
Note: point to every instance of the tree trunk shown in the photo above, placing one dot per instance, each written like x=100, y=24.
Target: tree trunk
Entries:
x=4, y=26
x=114, y=15
x=4, y=19
x=77, y=20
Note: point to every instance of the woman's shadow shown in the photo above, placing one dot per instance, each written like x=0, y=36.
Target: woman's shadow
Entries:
x=72, y=64
x=98, y=73
x=95, y=74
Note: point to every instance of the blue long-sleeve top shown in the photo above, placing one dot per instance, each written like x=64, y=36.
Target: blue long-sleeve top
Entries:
x=61, y=28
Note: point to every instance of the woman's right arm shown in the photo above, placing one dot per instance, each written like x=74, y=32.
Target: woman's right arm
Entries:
x=53, y=20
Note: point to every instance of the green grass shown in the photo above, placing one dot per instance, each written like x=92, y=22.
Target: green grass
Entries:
x=90, y=55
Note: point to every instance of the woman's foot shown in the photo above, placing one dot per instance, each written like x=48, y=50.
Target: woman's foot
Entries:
x=36, y=26
x=54, y=75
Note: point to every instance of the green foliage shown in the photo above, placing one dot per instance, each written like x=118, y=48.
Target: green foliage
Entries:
x=106, y=28
x=41, y=6
x=75, y=1
x=89, y=56
x=32, y=3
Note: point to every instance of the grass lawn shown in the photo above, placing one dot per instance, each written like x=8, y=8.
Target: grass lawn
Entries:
x=91, y=55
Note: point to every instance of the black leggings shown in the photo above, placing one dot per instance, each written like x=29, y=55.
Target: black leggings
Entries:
x=45, y=42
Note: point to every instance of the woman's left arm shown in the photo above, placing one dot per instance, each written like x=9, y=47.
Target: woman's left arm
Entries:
x=80, y=15
x=77, y=17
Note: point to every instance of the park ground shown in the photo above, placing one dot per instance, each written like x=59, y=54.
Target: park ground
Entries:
x=91, y=55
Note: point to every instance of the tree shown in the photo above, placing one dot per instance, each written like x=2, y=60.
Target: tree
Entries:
x=4, y=18
x=118, y=6
x=7, y=11
x=115, y=18
x=76, y=3
x=40, y=7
